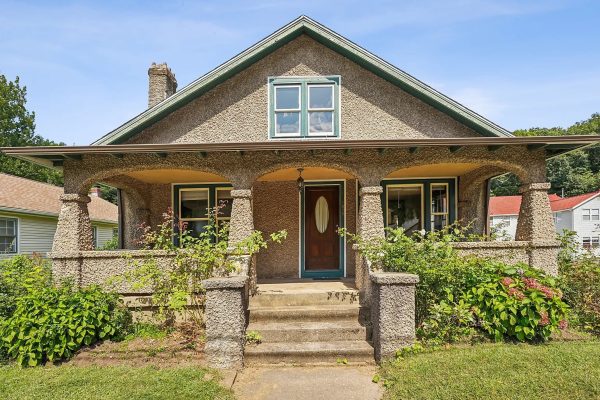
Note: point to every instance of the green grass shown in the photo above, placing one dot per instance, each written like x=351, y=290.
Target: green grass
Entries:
x=108, y=383
x=567, y=370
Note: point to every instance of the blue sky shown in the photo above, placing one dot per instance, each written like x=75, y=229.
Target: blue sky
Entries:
x=519, y=63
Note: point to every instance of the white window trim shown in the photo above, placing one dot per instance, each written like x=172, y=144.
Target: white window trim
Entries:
x=586, y=214
x=18, y=233
x=595, y=214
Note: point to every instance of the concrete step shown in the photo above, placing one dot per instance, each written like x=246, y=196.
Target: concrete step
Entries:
x=314, y=331
x=350, y=312
x=291, y=298
x=356, y=351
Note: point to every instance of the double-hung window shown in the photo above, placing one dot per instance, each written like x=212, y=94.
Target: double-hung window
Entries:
x=304, y=107
x=586, y=214
x=197, y=205
x=595, y=214
x=8, y=235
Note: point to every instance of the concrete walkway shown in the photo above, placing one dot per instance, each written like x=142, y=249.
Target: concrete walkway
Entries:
x=344, y=382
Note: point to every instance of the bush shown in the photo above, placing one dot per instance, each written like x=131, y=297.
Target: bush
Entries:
x=52, y=323
x=18, y=275
x=579, y=273
x=456, y=294
x=518, y=303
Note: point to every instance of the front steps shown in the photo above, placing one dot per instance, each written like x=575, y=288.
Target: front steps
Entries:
x=308, y=322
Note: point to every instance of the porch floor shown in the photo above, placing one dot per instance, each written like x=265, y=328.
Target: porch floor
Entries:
x=305, y=285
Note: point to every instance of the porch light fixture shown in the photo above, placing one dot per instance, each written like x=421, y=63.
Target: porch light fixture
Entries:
x=300, y=180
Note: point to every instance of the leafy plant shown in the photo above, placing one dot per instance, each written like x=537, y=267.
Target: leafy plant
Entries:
x=18, y=275
x=112, y=244
x=518, y=303
x=579, y=272
x=196, y=257
x=52, y=323
x=253, y=337
x=448, y=322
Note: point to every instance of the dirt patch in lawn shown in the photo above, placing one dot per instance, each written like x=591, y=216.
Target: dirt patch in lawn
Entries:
x=182, y=347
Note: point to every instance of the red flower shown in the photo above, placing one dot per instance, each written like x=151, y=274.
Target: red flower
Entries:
x=531, y=283
x=563, y=324
x=514, y=292
x=544, y=319
x=548, y=293
x=506, y=281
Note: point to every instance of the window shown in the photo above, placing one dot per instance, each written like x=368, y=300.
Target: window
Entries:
x=439, y=206
x=304, y=107
x=596, y=241
x=595, y=214
x=587, y=242
x=194, y=205
x=8, y=235
x=586, y=214
x=94, y=237
x=427, y=204
x=405, y=207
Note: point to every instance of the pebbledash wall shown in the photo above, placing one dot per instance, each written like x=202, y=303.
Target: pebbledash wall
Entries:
x=236, y=110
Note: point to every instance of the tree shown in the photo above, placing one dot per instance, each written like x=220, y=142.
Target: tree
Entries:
x=574, y=173
x=17, y=128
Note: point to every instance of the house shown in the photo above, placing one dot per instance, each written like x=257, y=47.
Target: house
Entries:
x=308, y=132
x=580, y=214
x=29, y=213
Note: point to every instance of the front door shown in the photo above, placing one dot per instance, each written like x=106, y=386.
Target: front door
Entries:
x=321, y=222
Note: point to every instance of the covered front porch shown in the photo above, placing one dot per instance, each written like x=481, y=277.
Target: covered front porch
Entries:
x=361, y=186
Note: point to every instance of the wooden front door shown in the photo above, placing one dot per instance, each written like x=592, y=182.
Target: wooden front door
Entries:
x=321, y=222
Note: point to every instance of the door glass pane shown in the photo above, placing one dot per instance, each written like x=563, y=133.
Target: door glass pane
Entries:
x=321, y=121
x=287, y=122
x=404, y=208
x=322, y=214
x=320, y=97
x=194, y=203
x=224, y=203
x=287, y=98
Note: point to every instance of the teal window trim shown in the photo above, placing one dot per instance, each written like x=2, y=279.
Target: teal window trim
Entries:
x=333, y=273
x=304, y=83
x=212, y=200
x=426, y=183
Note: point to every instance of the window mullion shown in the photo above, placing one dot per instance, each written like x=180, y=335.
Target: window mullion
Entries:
x=304, y=109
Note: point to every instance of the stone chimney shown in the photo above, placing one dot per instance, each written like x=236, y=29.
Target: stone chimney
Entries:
x=95, y=191
x=161, y=83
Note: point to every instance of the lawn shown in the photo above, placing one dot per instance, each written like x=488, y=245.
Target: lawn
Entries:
x=108, y=383
x=562, y=370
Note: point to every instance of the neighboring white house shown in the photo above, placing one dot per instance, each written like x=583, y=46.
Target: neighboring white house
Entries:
x=29, y=214
x=580, y=214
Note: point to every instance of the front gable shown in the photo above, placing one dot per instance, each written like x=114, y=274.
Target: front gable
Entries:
x=231, y=104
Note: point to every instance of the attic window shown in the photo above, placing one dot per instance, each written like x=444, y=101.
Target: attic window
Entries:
x=304, y=107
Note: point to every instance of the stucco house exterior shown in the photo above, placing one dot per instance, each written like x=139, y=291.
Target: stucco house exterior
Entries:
x=580, y=214
x=29, y=213
x=375, y=147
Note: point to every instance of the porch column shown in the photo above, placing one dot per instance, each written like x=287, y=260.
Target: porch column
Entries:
x=241, y=226
x=73, y=235
x=536, y=225
x=370, y=226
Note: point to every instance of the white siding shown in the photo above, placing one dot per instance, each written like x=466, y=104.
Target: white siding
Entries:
x=505, y=226
x=35, y=235
x=105, y=234
x=564, y=220
x=586, y=228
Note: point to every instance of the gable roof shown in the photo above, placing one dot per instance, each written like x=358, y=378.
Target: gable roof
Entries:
x=20, y=195
x=328, y=38
x=510, y=205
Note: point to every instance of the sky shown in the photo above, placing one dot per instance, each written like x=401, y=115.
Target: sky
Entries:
x=519, y=63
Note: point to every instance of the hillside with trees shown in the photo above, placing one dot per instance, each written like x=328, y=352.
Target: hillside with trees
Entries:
x=570, y=174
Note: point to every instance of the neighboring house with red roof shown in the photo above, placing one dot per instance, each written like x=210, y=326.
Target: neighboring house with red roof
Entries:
x=580, y=214
x=29, y=214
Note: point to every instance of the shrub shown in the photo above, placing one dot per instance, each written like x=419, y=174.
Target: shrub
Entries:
x=179, y=290
x=18, y=275
x=456, y=294
x=52, y=323
x=579, y=273
x=518, y=303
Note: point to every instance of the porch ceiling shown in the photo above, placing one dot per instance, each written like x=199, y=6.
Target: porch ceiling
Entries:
x=309, y=173
x=54, y=156
x=163, y=176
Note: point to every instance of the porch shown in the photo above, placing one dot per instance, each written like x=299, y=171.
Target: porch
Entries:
x=365, y=188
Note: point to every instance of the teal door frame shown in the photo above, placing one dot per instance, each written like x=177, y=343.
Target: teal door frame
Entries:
x=329, y=273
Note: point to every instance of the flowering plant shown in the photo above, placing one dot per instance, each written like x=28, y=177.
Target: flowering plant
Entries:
x=518, y=303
